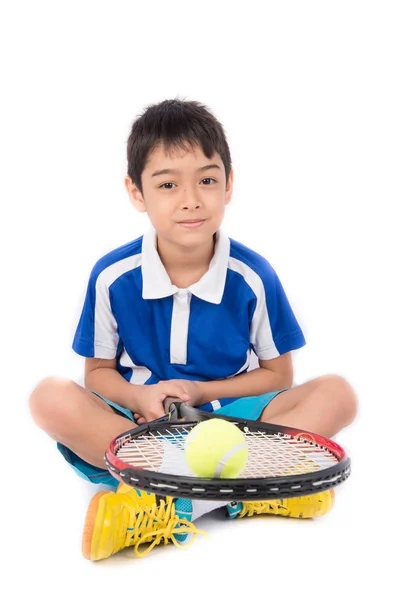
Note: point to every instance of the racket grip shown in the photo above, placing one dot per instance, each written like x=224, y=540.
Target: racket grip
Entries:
x=171, y=400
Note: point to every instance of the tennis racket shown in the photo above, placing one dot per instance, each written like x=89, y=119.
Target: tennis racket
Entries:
x=282, y=462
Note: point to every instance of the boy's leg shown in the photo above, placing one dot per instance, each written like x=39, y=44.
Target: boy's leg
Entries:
x=324, y=405
x=76, y=418
x=85, y=424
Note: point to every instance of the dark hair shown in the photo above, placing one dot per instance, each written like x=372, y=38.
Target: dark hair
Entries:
x=175, y=123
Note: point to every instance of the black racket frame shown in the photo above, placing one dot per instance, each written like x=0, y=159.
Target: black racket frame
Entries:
x=242, y=489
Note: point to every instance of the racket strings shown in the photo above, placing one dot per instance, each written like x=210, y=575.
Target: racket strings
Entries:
x=270, y=454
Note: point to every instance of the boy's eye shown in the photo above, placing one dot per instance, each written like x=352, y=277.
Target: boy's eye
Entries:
x=170, y=183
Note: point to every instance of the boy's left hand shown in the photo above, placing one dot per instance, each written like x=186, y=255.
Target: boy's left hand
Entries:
x=193, y=388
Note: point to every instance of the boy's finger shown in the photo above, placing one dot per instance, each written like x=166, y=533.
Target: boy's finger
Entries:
x=180, y=393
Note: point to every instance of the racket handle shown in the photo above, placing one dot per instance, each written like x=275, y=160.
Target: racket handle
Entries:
x=171, y=400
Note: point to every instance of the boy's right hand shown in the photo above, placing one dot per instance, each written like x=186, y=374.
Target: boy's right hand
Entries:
x=149, y=401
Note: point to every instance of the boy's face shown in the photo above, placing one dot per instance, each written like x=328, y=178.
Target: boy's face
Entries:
x=185, y=205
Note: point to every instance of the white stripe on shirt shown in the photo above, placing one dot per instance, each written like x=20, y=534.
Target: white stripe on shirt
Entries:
x=105, y=326
x=260, y=331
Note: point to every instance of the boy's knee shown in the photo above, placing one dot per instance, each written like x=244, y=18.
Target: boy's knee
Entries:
x=47, y=401
x=343, y=395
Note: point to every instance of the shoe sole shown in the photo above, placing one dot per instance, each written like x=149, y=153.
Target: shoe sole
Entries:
x=90, y=525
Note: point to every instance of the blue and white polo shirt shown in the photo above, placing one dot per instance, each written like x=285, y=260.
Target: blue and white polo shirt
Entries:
x=157, y=331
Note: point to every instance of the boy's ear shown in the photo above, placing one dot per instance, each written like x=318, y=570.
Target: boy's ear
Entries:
x=134, y=194
x=229, y=188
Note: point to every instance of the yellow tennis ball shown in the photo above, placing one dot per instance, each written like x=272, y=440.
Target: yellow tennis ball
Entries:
x=216, y=448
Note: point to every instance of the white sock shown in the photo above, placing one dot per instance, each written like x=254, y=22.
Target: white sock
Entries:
x=201, y=507
x=173, y=461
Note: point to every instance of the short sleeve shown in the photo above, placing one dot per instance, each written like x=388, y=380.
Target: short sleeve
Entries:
x=97, y=332
x=274, y=328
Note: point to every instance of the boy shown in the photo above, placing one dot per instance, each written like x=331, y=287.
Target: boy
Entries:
x=177, y=312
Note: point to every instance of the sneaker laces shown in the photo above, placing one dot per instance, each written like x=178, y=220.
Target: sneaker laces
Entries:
x=256, y=508
x=160, y=524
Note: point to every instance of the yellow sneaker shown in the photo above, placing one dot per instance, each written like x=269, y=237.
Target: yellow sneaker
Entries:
x=123, y=488
x=303, y=507
x=130, y=518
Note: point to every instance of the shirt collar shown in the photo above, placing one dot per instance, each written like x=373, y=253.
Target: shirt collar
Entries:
x=156, y=281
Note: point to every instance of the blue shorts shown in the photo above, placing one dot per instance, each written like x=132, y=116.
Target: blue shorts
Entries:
x=249, y=407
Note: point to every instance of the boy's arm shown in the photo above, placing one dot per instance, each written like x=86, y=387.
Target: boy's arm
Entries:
x=273, y=375
x=101, y=376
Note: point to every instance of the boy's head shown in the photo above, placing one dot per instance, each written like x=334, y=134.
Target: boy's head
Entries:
x=185, y=139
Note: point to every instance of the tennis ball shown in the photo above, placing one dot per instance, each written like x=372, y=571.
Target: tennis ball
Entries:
x=216, y=448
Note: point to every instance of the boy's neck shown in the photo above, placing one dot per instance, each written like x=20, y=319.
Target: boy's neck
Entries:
x=185, y=266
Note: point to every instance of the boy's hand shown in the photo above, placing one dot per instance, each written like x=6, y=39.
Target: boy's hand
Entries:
x=193, y=388
x=149, y=404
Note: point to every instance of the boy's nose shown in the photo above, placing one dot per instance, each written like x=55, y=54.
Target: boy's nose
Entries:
x=190, y=201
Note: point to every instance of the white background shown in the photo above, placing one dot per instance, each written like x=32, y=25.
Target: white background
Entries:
x=309, y=96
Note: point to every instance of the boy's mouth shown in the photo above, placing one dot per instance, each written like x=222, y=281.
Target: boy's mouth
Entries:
x=192, y=223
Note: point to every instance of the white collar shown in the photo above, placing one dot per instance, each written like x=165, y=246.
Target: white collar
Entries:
x=156, y=281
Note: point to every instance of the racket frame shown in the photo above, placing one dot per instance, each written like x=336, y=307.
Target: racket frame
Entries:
x=240, y=489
